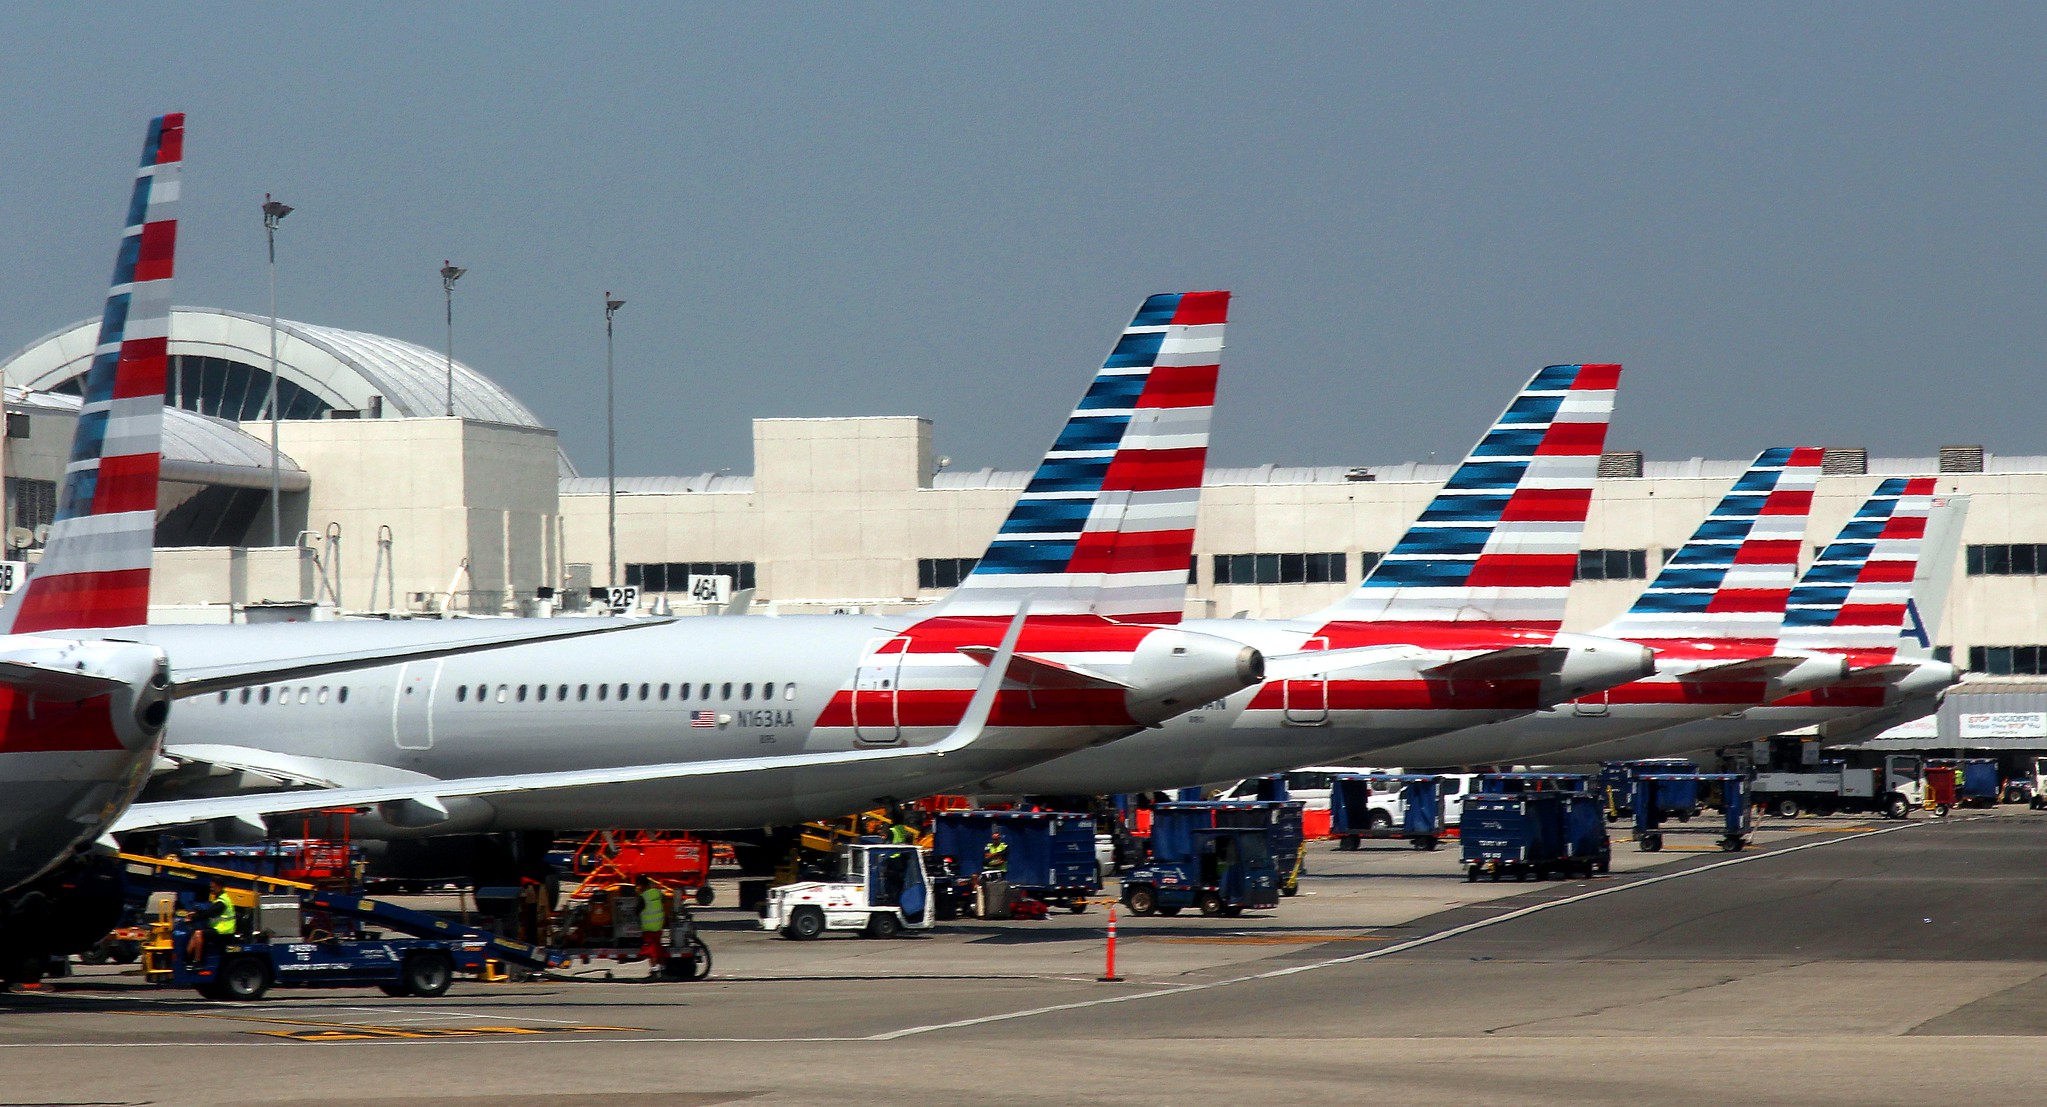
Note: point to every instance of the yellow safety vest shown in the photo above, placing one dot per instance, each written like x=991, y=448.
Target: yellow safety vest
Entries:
x=653, y=910
x=224, y=923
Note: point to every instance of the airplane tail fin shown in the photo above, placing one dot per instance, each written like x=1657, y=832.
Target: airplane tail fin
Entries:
x=95, y=567
x=1106, y=525
x=1732, y=579
x=1855, y=598
x=1500, y=543
x=1942, y=548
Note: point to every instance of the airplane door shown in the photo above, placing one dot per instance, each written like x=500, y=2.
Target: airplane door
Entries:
x=1306, y=699
x=875, y=719
x=412, y=716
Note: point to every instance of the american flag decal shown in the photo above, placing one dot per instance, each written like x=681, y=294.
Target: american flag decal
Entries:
x=703, y=718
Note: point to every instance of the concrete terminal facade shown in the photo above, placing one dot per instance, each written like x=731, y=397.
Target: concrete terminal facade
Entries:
x=390, y=505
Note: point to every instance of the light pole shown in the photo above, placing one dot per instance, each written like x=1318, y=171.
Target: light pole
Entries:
x=611, y=307
x=273, y=214
x=450, y=273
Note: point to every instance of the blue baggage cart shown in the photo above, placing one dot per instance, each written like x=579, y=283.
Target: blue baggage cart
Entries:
x=1281, y=820
x=1050, y=855
x=1518, y=833
x=1352, y=818
x=1651, y=808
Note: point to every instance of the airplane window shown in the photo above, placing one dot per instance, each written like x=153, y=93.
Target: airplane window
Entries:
x=562, y=693
x=305, y=694
x=746, y=690
x=788, y=691
x=664, y=691
x=582, y=691
x=245, y=695
x=323, y=693
x=725, y=693
x=625, y=691
x=502, y=693
x=603, y=691
x=540, y=692
x=705, y=693
x=343, y=695
x=682, y=691
x=223, y=695
x=522, y=693
x=645, y=690
x=768, y=690
x=461, y=693
x=264, y=696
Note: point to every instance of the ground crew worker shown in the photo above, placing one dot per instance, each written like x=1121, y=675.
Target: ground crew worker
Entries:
x=902, y=834
x=995, y=858
x=216, y=916
x=653, y=919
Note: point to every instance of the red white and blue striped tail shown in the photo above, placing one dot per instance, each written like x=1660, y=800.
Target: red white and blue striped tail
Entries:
x=1500, y=543
x=1730, y=582
x=1106, y=525
x=95, y=567
x=1856, y=598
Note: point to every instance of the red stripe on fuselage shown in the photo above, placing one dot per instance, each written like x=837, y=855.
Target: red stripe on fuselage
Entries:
x=1014, y=708
x=1041, y=634
x=55, y=727
x=1415, y=694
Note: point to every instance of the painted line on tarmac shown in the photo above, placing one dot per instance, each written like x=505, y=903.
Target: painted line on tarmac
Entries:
x=1386, y=951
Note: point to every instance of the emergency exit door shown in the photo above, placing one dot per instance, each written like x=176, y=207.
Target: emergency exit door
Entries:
x=412, y=709
x=1305, y=699
x=876, y=718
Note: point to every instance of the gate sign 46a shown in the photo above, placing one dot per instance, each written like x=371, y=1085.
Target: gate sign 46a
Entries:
x=710, y=589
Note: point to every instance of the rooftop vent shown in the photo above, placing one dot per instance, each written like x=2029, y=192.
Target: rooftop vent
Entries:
x=1844, y=461
x=1621, y=463
x=1961, y=459
x=1359, y=473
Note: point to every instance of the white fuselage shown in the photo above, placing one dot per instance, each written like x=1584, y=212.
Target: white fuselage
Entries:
x=694, y=690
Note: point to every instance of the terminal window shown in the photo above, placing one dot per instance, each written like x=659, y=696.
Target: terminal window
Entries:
x=2009, y=660
x=944, y=572
x=1280, y=568
x=1613, y=564
x=2023, y=559
x=1368, y=561
x=673, y=576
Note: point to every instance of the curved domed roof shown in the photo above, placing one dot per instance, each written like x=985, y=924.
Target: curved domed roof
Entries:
x=344, y=369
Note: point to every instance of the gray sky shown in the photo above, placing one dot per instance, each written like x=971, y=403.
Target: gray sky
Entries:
x=1815, y=223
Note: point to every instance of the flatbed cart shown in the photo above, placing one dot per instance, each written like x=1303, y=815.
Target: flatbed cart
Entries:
x=1352, y=817
x=301, y=936
x=1651, y=805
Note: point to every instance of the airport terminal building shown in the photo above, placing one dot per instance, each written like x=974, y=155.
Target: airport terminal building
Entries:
x=387, y=504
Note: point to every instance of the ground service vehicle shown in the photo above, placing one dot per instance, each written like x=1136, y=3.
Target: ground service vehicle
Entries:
x=882, y=890
x=1219, y=870
x=1357, y=808
x=1892, y=791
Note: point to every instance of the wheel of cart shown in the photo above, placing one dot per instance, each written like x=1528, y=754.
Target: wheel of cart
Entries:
x=425, y=975
x=1651, y=841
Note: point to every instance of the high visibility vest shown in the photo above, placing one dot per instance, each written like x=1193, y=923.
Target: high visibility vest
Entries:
x=224, y=923
x=653, y=910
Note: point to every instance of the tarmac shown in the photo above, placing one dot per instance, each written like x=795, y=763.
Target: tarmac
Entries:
x=1835, y=961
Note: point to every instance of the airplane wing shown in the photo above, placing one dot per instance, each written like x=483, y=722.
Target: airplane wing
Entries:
x=1752, y=668
x=430, y=794
x=208, y=679
x=1504, y=664
x=60, y=685
x=1039, y=672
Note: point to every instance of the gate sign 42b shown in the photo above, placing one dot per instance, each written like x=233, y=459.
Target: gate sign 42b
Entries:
x=622, y=599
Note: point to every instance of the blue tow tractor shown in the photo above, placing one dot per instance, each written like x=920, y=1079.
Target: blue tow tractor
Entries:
x=1048, y=856
x=1656, y=795
x=1534, y=825
x=293, y=935
x=1193, y=862
x=1352, y=815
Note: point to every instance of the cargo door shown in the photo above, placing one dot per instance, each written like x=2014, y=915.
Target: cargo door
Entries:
x=876, y=720
x=412, y=714
x=1306, y=699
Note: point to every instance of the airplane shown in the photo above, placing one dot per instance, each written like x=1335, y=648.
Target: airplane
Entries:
x=763, y=720
x=82, y=706
x=1712, y=615
x=1458, y=625
x=1856, y=601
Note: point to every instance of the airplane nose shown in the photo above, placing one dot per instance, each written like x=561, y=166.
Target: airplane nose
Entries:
x=1176, y=671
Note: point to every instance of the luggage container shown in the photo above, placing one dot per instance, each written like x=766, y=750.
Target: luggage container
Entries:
x=1738, y=825
x=1358, y=806
x=1050, y=858
x=1517, y=833
x=1219, y=870
x=1281, y=820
